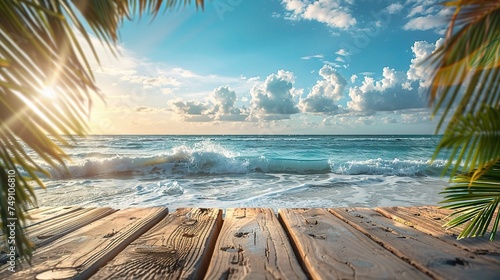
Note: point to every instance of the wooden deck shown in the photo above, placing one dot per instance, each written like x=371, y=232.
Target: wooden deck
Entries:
x=250, y=243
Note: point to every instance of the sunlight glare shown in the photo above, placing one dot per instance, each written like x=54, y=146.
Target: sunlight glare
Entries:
x=48, y=92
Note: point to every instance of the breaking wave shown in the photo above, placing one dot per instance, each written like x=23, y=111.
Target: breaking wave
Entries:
x=208, y=159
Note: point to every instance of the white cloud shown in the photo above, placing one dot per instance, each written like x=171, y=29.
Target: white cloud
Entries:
x=223, y=99
x=381, y=122
x=425, y=23
x=367, y=73
x=334, y=13
x=416, y=10
x=312, y=56
x=339, y=59
x=325, y=93
x=389, y=120
x=418, y=70
x=386, y=94
x=425, y=16
x=219, y=106
x=404, y=92
x=334, y=64
x=184, y=73
x=182, y=108
x=416, y=116
x=354, y=78
x=253, y=79
x=394, y=8
x=275, y=95
x=342, y=52
x=270, y=100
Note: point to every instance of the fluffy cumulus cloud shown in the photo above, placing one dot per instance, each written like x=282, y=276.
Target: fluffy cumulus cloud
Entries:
x=223, y=99
x=273, y=99
x=334, y=13
x=394, y=97
x=419, y=71
x=325, y=94
x=396, y=90
x=387, y=94
x=219, y=106
x=274, y=96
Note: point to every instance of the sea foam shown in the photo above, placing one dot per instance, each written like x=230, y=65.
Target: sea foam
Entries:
x=212, y=160
x=247, y=171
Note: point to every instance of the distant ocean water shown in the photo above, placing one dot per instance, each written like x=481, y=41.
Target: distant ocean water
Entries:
x=247, y=171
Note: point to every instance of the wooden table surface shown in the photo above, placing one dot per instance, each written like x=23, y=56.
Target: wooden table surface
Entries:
x=251, y=243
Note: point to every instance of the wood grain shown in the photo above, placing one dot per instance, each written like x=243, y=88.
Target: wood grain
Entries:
x=431, y=255
x=44, y=214
x=178, y=247
x=253, y=245
x=430, y=219
x=331, y=249
x=342, y=243
x=79, y=254
x=47, y=231
x=36, y=218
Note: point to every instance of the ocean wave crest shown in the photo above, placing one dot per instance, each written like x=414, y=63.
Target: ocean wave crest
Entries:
x=210, y=159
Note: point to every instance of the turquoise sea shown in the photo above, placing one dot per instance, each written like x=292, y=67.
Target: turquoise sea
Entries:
x=273, y=171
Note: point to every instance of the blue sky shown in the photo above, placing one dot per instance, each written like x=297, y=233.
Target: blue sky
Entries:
x=272, y=67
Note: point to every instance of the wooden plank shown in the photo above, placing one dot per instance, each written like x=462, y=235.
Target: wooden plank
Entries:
x=433, y=214
x=178, y=247
x=331, y=249
x=79, y=254
x=42, y=214
x=37, y=216
x=430, y=219
x=253, y=245
x=47, y=231
x=429, y=254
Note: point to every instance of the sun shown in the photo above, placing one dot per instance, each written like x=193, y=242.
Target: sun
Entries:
x=48, y=92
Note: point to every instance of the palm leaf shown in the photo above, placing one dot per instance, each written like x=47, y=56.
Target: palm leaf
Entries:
x=465, y=85
x=475, y=203
x=473, y=140
x=39, y=48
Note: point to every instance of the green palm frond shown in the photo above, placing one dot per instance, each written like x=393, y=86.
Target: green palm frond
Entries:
x=476, y=203
x=466, y=84
x=40, y=50
x=473, y=141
